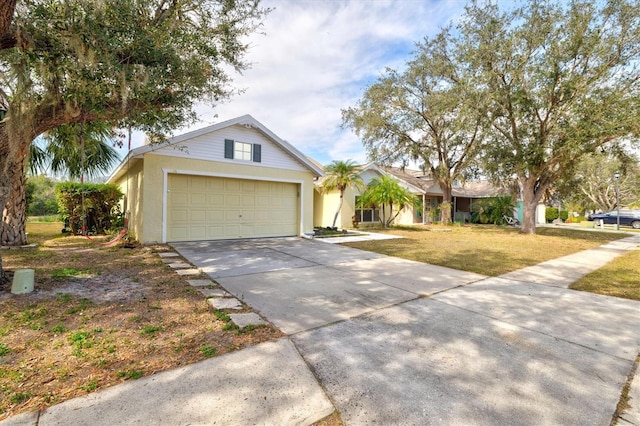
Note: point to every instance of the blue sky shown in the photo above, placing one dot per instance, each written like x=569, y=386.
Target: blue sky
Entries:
x=316, y=57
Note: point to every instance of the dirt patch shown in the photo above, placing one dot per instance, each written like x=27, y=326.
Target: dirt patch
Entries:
x=100, y=316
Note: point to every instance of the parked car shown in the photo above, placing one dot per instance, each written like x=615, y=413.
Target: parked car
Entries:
x=627, y=217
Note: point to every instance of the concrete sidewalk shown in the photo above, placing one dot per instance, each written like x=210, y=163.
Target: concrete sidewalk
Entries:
x=266, y=384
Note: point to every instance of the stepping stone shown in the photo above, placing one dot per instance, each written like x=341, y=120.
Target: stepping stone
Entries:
x=188, y=271
x=171, y=260
x=200, y=283
x=219, y=303
x=213, y=292
x=243, y=320
x=180, y=265
x=168, y=254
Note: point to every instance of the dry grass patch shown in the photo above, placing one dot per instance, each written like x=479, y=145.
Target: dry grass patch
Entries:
x=100, y=316
x=487, y=250
x=619, y=278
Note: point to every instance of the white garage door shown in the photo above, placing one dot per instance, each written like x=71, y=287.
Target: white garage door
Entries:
x=210, y=208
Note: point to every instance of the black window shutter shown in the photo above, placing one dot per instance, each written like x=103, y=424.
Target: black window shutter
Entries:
x=228, y=148
x=257, y=153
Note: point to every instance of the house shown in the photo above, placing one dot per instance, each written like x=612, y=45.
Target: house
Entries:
x=234, y=179
x=425, y=188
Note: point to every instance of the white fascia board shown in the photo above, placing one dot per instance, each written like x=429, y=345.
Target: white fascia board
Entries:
x=245, y=120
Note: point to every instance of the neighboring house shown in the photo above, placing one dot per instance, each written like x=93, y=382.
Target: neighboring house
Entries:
x=235, y=179
x=425, y=188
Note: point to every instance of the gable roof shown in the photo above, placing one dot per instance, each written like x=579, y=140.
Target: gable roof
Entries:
x=422, y=183
x=245, y=120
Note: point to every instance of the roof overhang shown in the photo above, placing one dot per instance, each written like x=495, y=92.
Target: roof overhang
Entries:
x=245, y=120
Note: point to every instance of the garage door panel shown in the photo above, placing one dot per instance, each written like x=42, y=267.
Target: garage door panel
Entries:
x=179, y=215
x=263, y=201
x=232, y=200
x=215, y=199
x=179, y=182
x=232, y=185
x=198, y=216
x=198, y=183
x=215, y=216
x=196, y=199
x=178, y=198
x=216, y=185
x=203, y=208
x=248, y=201
x=196, y=232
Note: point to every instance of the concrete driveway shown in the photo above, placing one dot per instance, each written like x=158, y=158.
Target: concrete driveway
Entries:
x=476, y=350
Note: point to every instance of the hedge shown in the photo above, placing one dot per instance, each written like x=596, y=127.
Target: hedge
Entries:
x=98, y=201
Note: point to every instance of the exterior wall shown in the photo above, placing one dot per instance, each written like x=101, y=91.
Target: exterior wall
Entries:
x=210, y=147
x=156, y=167
x=131, y=185
x=540, y=214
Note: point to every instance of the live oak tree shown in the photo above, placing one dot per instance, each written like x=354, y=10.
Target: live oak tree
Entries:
x=426, y=113
x=138, y=63
x=560, y=80
x=592, y=186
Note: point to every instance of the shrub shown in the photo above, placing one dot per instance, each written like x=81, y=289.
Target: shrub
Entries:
x=564, y=215
x=551, y=214
x=98, y=202
x=492, y=210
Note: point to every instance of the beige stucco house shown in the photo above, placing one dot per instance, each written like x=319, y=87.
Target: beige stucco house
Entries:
x=425, y=188
x=235, y=179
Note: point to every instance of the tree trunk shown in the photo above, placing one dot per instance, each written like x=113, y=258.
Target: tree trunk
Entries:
x=531, y=196
x=14, y=215
x=12, y=161
x=5, y=183
x=335, y=218
x=445, y=207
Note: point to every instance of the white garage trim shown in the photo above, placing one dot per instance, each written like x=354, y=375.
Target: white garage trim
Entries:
x=165, y=192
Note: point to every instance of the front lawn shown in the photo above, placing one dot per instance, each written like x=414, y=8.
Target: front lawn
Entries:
x=100, y=316
x=484, y=249
x=619, y=278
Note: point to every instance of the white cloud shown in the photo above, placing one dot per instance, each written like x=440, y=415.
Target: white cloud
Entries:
x=317, y=57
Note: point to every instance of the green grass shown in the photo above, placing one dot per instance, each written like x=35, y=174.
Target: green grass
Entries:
x=40, y=232
x=208, y=351
x=150, y=330
x=129, y=374
x=65, y=272
x=619, y=278
x=50, y=218
x=4, y=349
x=487, y=250
x=492, y=250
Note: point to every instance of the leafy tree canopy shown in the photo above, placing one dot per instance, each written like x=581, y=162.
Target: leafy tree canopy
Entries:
x=76, y=150
x=561, y=79
x=131, y=63
x=426, y=113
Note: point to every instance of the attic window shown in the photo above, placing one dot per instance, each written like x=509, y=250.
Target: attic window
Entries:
x=242, y=151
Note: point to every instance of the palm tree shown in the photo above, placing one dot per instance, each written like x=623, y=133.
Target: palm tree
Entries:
x=386, y=191
x=76, y=150
x=340, y=176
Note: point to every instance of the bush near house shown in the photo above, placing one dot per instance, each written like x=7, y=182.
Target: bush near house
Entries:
x=552, y=213
x=492, y=210
x=98, y=202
